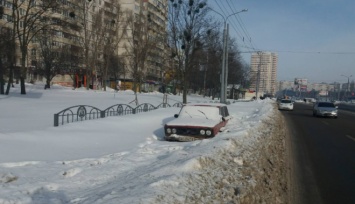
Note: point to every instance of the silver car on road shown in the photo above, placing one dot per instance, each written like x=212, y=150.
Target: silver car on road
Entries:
x=325, y=109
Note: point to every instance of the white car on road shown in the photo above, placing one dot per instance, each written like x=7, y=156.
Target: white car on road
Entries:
x=285, y=104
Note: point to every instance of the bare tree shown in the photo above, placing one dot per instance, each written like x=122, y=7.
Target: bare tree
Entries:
x=101, y=30
x=6, y=46
x=8, y=41
x=138, y=48
x=69, y=61
x=50, y=51
x=115, y=66
x=30, y=18
x=213, y=50
x=235, y=66
x=109, y=29
x=187, y=25
x=83, y=16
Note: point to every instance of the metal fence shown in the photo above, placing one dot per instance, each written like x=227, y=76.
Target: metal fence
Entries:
x=86, y=112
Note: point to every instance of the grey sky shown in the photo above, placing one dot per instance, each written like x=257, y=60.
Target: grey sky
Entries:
x=315, y=39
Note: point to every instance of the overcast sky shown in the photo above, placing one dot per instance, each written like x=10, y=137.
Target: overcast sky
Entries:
x=314, y=39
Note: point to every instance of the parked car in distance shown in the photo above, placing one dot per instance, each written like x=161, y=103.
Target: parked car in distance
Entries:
x=285, y=104
x=309, y=100
x=325, y=109
x=197, y=121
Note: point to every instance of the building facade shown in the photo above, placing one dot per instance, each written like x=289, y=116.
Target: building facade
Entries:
x=74, y=29
x=153, y=15
x=264, y=72
x=285, y=85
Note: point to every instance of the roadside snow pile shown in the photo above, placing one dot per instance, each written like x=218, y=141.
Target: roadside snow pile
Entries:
x=126, y=160
x=247, y=168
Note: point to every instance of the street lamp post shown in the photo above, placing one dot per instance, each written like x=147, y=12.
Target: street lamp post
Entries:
x=224, y=74
x=348, y=88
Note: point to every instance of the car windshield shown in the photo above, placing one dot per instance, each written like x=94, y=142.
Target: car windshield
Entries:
x=330, y=105
x=286, y=101
x=207, y=112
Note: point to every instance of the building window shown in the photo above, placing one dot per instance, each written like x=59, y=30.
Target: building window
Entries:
x=9, y=18
x=8, y=4
x=22, y=11
x=65, y=13
x=33, y=52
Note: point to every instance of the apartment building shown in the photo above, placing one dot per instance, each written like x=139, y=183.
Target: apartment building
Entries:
x=154, y=15
x=74, y=32
x=264, y=72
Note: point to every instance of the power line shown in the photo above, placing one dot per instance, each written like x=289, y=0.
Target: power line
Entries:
x=241, y=25
x=316, y=52
x=298, y=52
x=232, y=24
x=222, y=10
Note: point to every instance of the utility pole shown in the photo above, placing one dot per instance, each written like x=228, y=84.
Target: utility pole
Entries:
x=258, y=75
x=226, y=65
x=348, y=88
x=224, y=73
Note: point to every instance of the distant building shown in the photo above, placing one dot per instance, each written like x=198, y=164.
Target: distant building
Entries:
x=282, y=85
x=263, y=72
x=74, y=30
x=300, y=84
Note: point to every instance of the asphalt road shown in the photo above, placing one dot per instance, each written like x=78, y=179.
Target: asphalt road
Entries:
x=322, y=156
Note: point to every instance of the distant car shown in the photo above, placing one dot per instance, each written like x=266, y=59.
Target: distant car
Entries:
x=309, y=100
x=285, y=104
x=197, y=121
x=336, y=102
x=325, y=109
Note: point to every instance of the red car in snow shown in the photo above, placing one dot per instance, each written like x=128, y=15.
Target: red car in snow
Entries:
x=197, y=121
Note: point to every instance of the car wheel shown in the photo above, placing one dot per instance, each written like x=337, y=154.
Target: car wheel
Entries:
x=335, y=117
x=314, y=114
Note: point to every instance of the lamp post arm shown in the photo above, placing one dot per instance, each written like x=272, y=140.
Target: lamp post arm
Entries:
x=217, y=13
x=244, y=10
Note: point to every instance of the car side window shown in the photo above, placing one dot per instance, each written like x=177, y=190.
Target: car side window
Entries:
x=226, y=113
x=221, y=112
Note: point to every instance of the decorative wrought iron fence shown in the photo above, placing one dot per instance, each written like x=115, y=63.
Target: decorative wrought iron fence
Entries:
x=118, y=109
x=86, y=112
x=77, y=113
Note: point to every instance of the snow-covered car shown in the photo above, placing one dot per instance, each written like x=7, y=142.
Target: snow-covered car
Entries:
x=285, y=104
x=325, y=109
x=197, y=121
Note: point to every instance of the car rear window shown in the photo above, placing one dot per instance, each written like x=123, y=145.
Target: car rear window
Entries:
x=286, y=101
x=331, y=105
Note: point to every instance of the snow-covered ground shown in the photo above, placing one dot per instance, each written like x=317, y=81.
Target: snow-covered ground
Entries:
x=118, y=159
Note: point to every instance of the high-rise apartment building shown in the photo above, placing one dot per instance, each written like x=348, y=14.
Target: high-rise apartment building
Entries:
x=74, y=26
x=263, y=72
x=154, y=15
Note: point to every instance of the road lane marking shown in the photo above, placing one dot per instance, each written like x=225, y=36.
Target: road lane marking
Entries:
x=325, y=122
x=350, y=137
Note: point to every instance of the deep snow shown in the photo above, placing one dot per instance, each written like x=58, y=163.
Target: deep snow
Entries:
x=118, y=159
